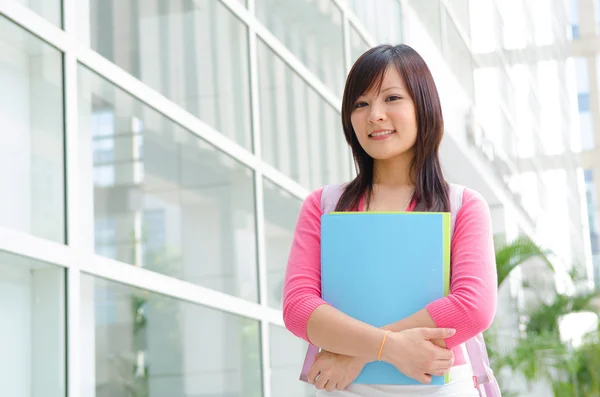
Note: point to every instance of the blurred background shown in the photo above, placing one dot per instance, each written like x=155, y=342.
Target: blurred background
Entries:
x=154, y=155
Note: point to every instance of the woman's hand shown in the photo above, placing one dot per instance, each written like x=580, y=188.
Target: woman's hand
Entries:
x=414, y=354
x=332, y=371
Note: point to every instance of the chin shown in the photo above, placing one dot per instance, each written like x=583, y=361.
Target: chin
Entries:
x=383, y=155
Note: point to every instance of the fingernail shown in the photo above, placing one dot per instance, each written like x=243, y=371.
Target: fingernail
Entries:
x=451, y=331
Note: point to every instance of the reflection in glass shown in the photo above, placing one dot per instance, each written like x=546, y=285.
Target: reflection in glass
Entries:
x=194, y=52
x=358, y=45
x=301, y=133
x=551, y=117
x=164, y=199
x=281, y=213
x=49, y=9
x=31, y=153
x=32, y=326
x=312, y=31
x=287, y=357
x=147, y=344
x=384, y=22
x=458, y=55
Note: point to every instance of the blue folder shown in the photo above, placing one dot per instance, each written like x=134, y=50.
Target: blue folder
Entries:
x=382, y=267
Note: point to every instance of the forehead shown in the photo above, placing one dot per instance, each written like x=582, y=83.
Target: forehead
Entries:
x=390, y=78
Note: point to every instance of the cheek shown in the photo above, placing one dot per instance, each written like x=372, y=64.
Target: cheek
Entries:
x=404, y=117
x=357, y=126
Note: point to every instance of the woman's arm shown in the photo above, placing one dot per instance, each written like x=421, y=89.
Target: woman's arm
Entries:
x=307, y=315
x=304, y=312
x=471, y=305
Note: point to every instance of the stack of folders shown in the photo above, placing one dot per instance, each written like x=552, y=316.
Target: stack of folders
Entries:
x=380, y=267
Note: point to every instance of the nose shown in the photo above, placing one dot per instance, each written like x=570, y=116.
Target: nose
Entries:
x=376, y=115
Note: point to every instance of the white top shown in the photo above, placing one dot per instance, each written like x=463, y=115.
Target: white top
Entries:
x=461, y=385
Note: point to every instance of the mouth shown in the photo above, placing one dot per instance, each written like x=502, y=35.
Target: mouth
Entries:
x=382, y=134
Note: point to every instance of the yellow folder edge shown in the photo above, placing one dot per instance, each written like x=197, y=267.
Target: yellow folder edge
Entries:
x=447, y=242
x=446, y=247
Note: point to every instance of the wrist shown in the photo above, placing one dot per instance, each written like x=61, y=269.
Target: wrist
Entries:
x=388, y=342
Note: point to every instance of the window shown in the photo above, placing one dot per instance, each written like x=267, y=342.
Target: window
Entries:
x=194, y=52
x=32, y=326
x=384, y=22
x=31, y=153
x=301, y=133
x=164, y=199
x=145, y=344
x=358, y=45
x=287, y=357
x=583, y=101
x=312, y=31
x=49, y=9
x=281, y=213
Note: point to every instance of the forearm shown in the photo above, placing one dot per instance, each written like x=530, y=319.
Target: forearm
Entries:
x=420, y=319
x=334, y=331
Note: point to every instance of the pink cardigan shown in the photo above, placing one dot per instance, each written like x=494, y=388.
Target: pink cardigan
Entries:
x=469, y=308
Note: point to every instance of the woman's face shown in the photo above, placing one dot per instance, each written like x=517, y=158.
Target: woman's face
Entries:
x=385, y=121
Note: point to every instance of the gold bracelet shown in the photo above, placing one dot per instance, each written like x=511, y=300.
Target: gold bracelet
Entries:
x=382, y=343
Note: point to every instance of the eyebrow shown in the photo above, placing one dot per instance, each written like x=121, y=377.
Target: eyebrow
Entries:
x=392, y=88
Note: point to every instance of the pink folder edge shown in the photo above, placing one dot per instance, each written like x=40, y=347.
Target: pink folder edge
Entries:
x=311, y=353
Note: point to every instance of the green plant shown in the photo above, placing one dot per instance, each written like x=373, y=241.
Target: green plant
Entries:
x=516, y=253
x=540, y=354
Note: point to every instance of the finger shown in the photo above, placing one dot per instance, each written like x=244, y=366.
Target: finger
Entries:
x=321, y=382
x=331, y=385
x=441, y=353
x=444, y=363
x=438, y=372
x=425, y=379
x=437, y=333
x=313, y=373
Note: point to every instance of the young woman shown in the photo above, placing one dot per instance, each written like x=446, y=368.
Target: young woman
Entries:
x=392, y=120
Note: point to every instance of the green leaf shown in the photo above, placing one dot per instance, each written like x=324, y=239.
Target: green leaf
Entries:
x=514, y=254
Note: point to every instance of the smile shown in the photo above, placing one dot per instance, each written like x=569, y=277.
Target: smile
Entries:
x=381, y=134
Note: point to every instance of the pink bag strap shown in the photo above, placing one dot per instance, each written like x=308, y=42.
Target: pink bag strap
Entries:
x=330, y=196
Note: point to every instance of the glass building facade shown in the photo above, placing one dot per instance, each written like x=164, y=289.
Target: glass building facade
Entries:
x=154, y=156
x=585, y=23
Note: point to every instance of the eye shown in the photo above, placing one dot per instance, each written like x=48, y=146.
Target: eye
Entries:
x=360, y=105
x=393, y=98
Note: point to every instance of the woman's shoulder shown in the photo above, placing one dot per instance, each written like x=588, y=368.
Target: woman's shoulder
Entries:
x=326, y=196
x=474, y=203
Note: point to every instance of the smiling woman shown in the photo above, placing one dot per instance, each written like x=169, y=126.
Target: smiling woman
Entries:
x=392, y=121
x=390, y=89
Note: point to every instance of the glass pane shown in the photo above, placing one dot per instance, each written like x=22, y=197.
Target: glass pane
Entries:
x=287, y=357
x=459, y=59
x=147, y=344
x=32, y=326
x=31, y=153
x=384, y=22
x=428, y=12
x=281, y=213
x=194, y=52
x=358, y=45
x=301, y=133
x=164, y=199
x=49, y=9
x=312, y=31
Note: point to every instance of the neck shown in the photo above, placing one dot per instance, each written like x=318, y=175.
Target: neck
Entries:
x=394, y=172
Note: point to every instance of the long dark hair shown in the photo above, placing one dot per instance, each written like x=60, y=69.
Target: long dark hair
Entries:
x=431, y=189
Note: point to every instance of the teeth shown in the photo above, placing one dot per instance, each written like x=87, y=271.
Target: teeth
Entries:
x=382, y=133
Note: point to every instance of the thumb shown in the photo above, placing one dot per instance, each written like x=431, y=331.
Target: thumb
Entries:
x=438, y=333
